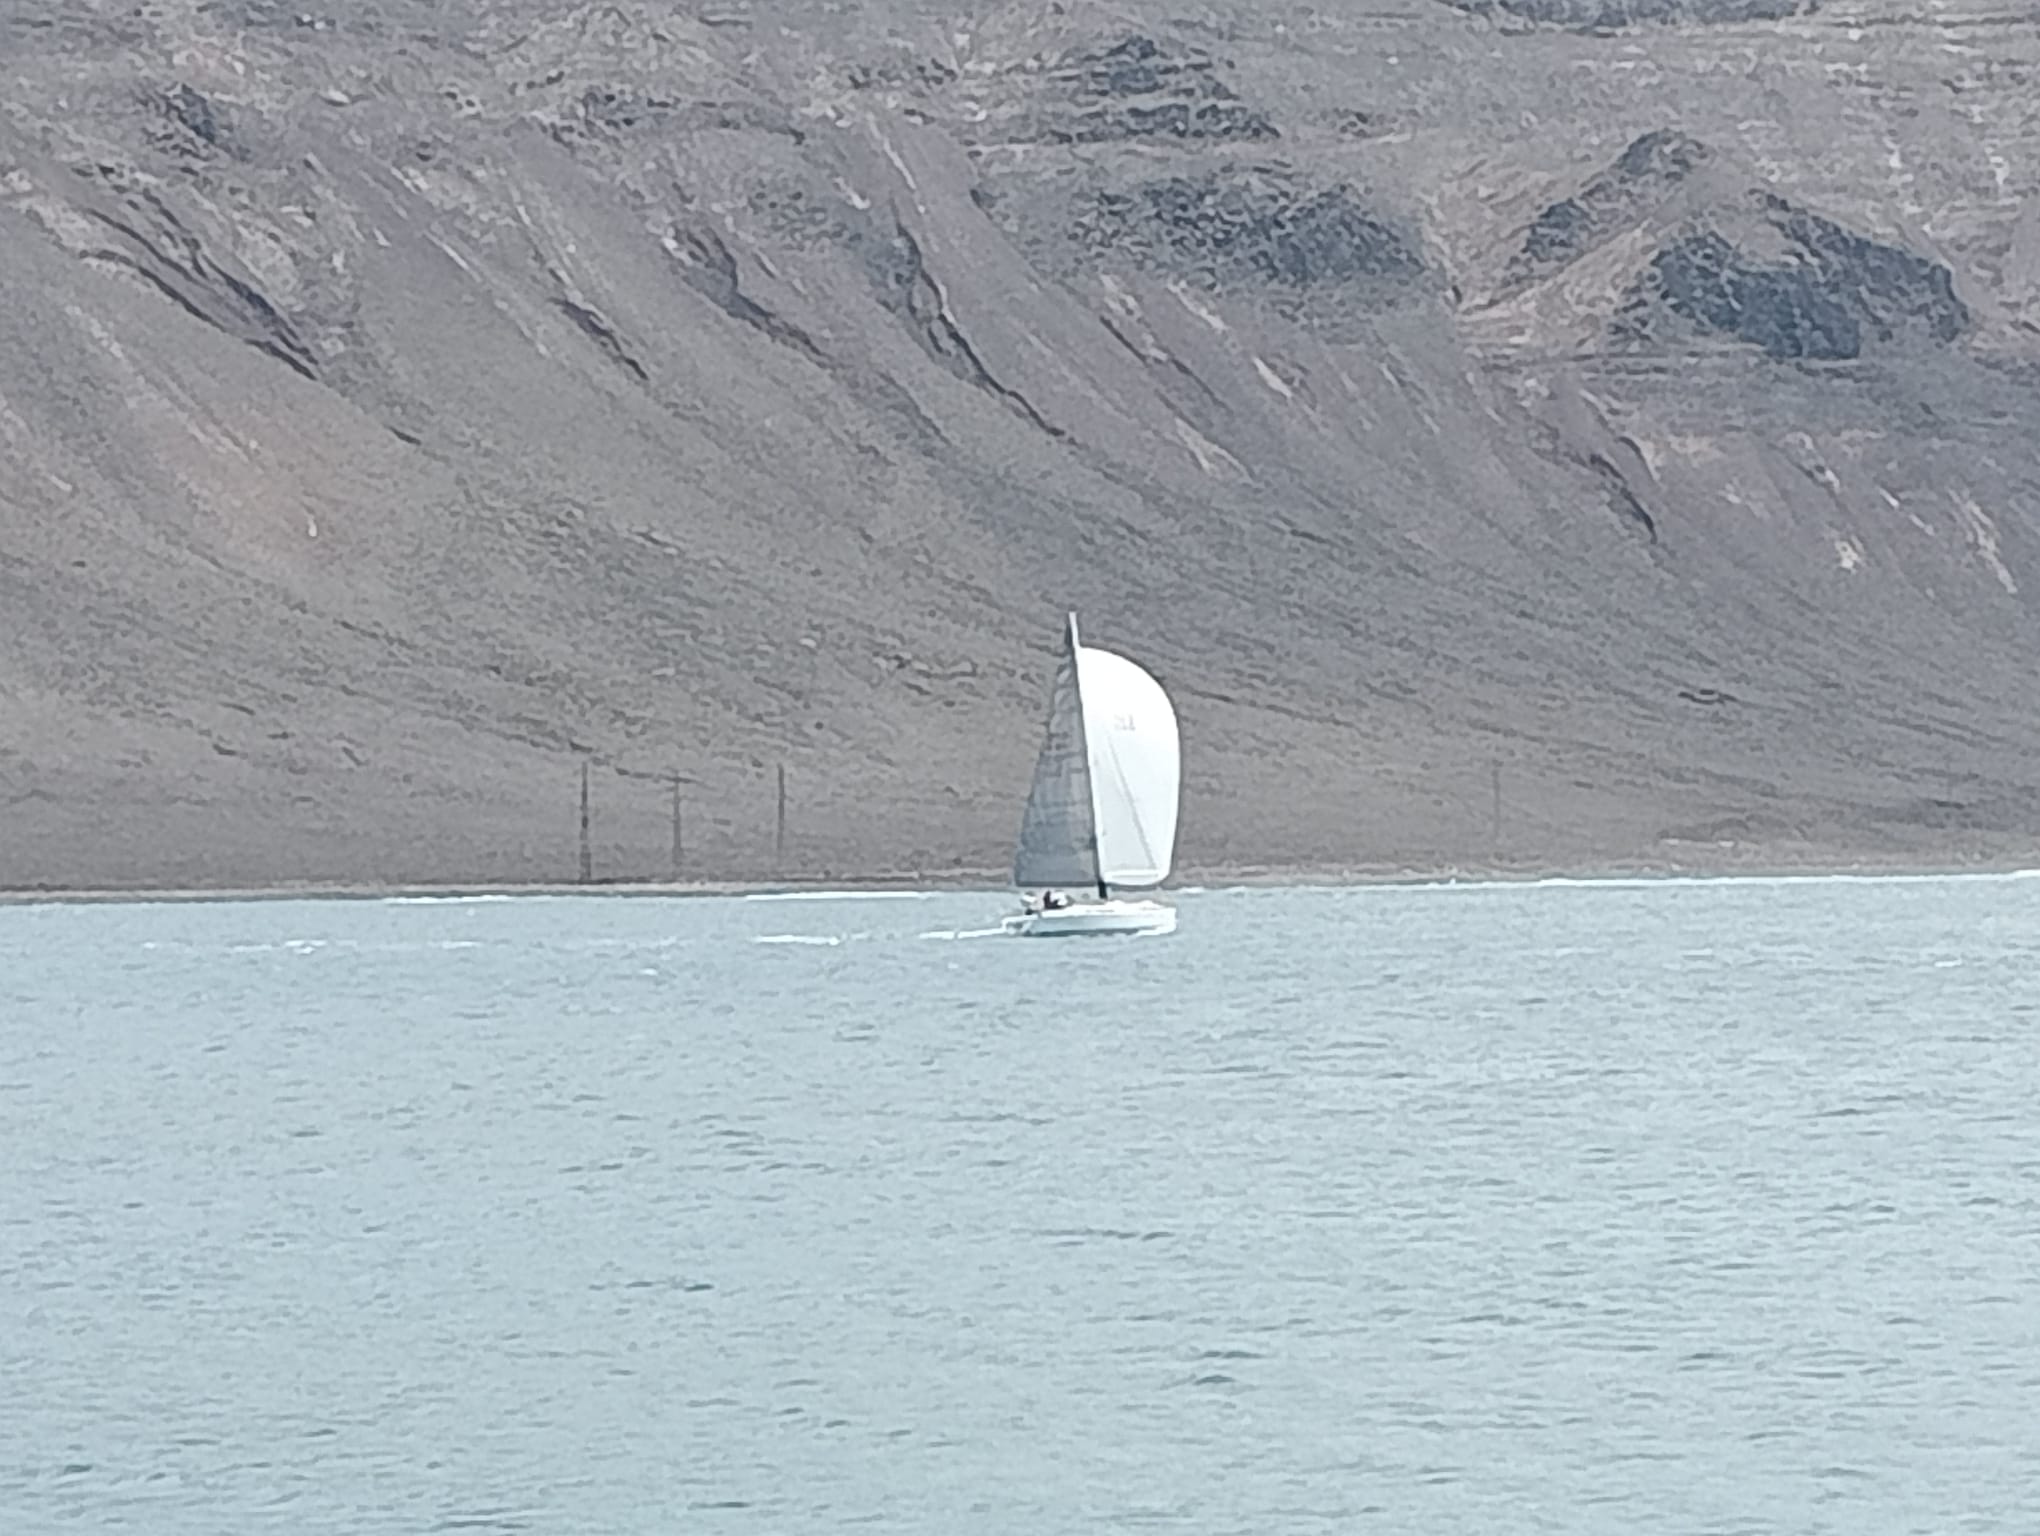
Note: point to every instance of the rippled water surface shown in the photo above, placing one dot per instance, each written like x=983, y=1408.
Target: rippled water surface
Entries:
x=1665, y=1208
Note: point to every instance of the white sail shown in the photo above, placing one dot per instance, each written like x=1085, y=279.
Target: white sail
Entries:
x=1058, y=830
x=1102, y=809
x=1134, y=759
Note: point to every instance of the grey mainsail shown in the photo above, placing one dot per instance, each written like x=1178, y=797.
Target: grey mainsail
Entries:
x=1058, y=831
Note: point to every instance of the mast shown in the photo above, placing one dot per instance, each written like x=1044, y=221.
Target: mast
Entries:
x=1076, y=667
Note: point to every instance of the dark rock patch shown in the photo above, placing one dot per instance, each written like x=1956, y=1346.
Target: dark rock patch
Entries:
x=1647, y=172
x=1615, y=15
x=194, y=111
x=1832, y=295
x=186, y=123
x=1265, y=228
x=1138, y=89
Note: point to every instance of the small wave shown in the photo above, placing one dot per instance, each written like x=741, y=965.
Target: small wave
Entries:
x=795, y=938
x=839, y=895
x=314, y=946
x=1456, y=883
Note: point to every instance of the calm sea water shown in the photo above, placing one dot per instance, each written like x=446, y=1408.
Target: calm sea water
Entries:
x=1664, y=1208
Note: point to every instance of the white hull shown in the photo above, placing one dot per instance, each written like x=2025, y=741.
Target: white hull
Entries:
x=1082, y=919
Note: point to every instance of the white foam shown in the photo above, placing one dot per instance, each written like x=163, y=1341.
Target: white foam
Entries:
x=436, y=901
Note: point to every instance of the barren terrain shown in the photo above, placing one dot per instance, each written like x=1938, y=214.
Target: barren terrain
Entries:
x=1553, y=432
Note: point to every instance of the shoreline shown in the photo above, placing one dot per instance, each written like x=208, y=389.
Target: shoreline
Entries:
x=990, y=881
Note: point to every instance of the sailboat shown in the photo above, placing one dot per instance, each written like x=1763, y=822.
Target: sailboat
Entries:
x=1102, y=811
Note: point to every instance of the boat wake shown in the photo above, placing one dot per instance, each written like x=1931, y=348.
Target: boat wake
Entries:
x=837, y=895
x=965, y=933
x=446, y=901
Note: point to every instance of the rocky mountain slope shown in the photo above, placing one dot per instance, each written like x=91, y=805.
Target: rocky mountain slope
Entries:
x=1562, y=431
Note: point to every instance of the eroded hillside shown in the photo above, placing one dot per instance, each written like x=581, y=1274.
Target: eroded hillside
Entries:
x=1628, y=405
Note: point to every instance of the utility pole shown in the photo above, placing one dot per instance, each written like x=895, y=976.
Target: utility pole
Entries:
x=587, y=849
x=676, y=827
x=779, y=827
